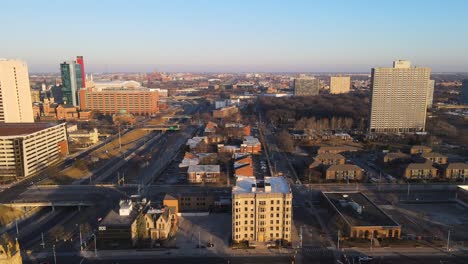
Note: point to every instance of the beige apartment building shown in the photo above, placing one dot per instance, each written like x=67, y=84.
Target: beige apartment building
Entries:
x=261, y=210
x=28, y=148
x=15, y=92
x=399, y=98
x=340, y=84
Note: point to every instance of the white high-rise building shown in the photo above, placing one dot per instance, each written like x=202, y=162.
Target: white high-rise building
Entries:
x=15, y=92
x=399, y=98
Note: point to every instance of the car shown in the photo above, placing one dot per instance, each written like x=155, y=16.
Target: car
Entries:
x=210, y=245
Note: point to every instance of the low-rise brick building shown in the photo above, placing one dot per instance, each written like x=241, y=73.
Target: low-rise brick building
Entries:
x=330, y=159
x=341, y=172
x=435, y=157
x=203, y=173
x=456, y=171
x=419, y=149
x=420, y=171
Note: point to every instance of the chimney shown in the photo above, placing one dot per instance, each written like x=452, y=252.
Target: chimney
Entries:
x=267, y=187
x=254, y=187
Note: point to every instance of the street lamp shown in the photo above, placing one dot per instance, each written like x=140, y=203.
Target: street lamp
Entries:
x=95, y=244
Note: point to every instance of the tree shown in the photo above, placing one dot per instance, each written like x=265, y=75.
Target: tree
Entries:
x=285, y=141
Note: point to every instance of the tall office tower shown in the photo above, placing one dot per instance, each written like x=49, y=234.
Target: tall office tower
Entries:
x=464, y=92
x=306, y=86
x=80, y=61
x=15, y=92
x=261, y=210
x=71, y=82
x=340, y=84
x=399, y=98
x=430, y=93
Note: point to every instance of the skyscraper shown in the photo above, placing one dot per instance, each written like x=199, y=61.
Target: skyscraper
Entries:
x=71, y=81
x=399, y=98
x=340, y=84
x=15, y=92
x=464, y=92
x=430, y=93
x=80, y=61
x=306, y=86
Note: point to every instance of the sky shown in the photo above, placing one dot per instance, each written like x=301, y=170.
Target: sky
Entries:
x=236, y=35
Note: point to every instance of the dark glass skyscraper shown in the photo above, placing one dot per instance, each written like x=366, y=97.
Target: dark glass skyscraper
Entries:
x=71, y=82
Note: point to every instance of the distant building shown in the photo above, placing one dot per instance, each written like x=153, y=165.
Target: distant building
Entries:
x=111, y=100
x=336, y=149
x=359, y=217
x=430, y=93
x=340, y=84
x=261, y=210
x=84, y=137
x=395, y=157
x=71, y=82
x=330, y=159
x=15, y=92
x=225, y=112
x=29, y=148
x=464, y=92
x=419, y=149
x=203, y=173
x=251, y=145
x=306, y=86
x=80, y=61
x=399, y=98
x=420, y=171
x=35, y=96
x=435, y=157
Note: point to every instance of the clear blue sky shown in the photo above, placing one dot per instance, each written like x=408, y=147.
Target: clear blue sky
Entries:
x=235, y=35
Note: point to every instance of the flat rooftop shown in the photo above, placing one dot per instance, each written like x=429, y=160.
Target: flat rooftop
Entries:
x=370, y=215
x=22, y=129
x=204, y=168
x=244, y=185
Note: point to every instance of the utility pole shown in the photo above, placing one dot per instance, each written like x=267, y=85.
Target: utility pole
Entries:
x=81, y=239
x=338, y=241
x=301, y=237
x=55, y=257
x=407, y=195
x=448, y=241
x=42, y=238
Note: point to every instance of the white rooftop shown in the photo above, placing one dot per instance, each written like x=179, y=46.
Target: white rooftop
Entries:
x=244, y=185
x=204, y=168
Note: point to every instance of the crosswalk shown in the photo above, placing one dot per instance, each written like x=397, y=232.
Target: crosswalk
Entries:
x=317, y=251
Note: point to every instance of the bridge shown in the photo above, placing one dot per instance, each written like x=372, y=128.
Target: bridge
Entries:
x=52, y=204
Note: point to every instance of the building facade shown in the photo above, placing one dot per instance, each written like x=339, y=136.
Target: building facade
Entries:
x=340, y=84
x=457, y=171
x=399, y=98
x=203, y=173
x=80, y=62
x=306, y=86
x=15, y=92
x=340, y=172
x=136, y=101
x=71, y=82
x=29, y=148
x=261, y=210
x=430, y=93
x=420, y=171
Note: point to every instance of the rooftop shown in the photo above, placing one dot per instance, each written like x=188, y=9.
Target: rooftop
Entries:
x=433, y=155
x=458, y=165
x=325, y=156
x=113, y=218
x=23, y=129
x=204, y=168
x=358, y=210
x=420, y=166
x=344, y=167
x=244, y=184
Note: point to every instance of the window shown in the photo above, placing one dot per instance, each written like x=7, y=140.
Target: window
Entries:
x=272, y=202
x=261, y=203
x=246, y=203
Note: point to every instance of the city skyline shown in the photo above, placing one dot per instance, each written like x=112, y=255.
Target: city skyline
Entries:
x=261, y=36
